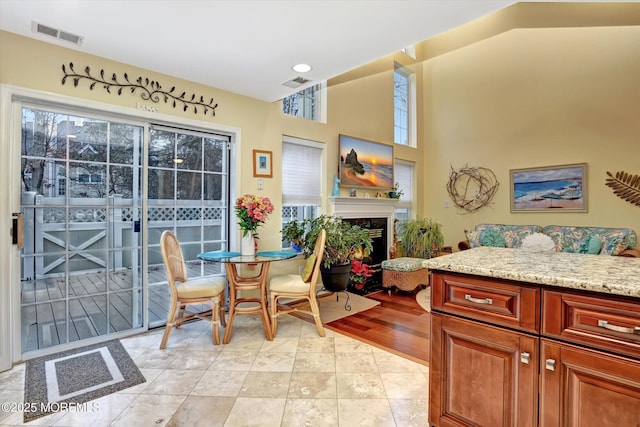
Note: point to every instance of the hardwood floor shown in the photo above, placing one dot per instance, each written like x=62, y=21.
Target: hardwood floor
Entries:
x=398, y=325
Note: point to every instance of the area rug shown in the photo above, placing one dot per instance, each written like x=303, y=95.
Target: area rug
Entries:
x=424, y=299
x=69, y=379
x=332, y=306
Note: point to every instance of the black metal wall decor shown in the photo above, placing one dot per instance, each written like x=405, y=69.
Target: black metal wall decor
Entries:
x=471, y=188
x=626, y=186
x=149, y=90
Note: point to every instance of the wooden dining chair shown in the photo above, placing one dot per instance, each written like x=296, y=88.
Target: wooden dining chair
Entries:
x=298, y=286
x=201, y=290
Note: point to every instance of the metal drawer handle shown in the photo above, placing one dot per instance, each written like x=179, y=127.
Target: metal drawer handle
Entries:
x=524, y=358
x=606, y=325
x=550, y=365
x=478, y=300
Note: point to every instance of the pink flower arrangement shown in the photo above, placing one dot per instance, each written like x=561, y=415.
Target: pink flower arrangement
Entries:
x=252, y=211
x=360, y=272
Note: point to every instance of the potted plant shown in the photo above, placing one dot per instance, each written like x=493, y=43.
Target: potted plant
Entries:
x=293, y=232
x=343, y=239
x=395, y=192
x=421, y=238
x=359, y=274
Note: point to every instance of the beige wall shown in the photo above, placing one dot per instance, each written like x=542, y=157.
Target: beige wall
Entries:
x=531, y=98
x=515, y=99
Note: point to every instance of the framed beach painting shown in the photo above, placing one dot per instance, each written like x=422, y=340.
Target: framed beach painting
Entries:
x=552, y=188
x=262, y=164
x=365, y=164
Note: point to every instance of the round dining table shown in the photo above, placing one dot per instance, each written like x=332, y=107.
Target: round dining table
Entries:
x=237, y=283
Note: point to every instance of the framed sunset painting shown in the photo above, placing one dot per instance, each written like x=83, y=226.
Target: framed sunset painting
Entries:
x=365, y=164
x=552, y=188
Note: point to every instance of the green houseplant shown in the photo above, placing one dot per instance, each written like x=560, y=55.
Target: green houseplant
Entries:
x=421, y=237
x=343, y=239
x=293, y=232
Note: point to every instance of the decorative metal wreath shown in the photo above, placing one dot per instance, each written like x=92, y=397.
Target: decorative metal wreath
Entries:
x=471, y=188
x=625, y=186
x=149, y=90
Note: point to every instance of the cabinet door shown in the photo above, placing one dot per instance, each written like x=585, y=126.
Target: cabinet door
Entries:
x=587, y=388
x=481, y=375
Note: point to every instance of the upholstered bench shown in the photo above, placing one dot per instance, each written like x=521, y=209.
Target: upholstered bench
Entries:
x=404, y=273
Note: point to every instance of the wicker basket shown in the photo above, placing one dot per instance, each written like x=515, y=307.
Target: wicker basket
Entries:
x=405, y=280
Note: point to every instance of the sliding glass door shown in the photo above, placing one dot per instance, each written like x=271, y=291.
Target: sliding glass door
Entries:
x=96, y=194
x=188, y=193
x=81, y=198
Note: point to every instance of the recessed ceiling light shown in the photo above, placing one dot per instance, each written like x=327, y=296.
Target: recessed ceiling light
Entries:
x=301, y=68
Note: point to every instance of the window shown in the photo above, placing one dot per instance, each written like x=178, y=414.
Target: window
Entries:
x=404, y=106
x=404, y=178
x=306, y=104
x=302, y=166
x=89, y=178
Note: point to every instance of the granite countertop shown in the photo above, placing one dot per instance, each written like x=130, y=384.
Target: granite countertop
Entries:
x=596, y=273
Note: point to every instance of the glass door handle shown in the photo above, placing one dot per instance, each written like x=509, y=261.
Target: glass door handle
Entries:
x=17, y=232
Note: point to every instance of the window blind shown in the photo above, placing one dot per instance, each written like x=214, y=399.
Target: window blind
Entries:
x=301, y=175
x=404, y=177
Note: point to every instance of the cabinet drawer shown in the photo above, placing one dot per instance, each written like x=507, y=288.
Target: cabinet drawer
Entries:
x=491, y=300
x=607, y=322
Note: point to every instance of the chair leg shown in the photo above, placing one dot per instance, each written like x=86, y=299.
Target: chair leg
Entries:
x=273, y=308
x=222, y=317
x=315, y=309
x=215, y=330
x=167, y=330
x=183, y=307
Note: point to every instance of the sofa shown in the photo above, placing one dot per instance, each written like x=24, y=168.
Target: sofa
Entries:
x=559, y=238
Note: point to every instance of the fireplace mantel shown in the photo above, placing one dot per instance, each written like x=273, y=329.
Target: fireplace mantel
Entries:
x=362, y=207
x=366, y=207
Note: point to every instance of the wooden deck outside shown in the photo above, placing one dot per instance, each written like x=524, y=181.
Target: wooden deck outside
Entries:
x=93, y=311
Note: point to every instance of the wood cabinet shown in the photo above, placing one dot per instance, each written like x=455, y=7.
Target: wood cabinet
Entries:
x=515, y=354
x=481, y=374
x=587, y=388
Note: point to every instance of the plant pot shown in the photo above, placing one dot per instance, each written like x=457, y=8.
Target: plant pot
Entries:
x=336, y=277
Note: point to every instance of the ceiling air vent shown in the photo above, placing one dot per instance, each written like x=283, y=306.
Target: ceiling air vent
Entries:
x=294, y=83
x=58, y=34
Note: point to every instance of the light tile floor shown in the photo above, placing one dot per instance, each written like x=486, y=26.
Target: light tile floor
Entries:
x=298, y=379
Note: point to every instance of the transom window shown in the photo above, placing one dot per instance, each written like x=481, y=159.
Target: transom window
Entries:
x=306, y=104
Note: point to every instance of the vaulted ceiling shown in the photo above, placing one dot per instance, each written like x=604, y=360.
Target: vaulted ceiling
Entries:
x=243, y=46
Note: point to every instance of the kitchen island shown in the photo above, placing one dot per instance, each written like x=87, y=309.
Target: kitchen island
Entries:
x=524, y=338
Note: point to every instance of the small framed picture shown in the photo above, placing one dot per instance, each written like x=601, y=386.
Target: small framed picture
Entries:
x=352, y=192
x=262, y=163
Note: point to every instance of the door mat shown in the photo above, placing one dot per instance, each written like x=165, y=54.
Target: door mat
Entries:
x=71, y=378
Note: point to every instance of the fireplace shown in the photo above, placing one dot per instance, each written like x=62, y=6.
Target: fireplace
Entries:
x=377, y=230
x=376, y=216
